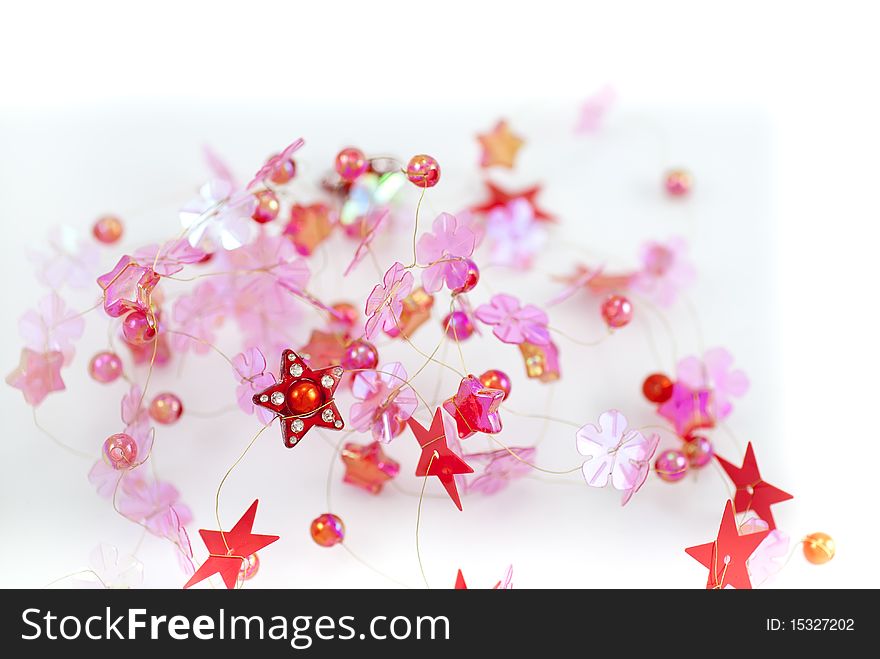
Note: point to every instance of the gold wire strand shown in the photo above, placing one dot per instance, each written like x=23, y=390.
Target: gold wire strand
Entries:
x=73, y=574
x=543, y=417
x=419, y=519
x=535, y=467
x=588, y=344
x=416, y=225
x=69, y=449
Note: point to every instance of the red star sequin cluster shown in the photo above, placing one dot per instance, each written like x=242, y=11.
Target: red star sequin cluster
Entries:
x=752, y=493
x=437, y=459
x=303, y=398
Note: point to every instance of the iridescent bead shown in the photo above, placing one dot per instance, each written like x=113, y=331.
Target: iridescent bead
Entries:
x=283, y=172
x=616, y=311
x=137, y=329
x=678, y=182
x=107, y=229
x=249, y=567
x=327, y=530
x=304, y=397
x=105, y=367
x=458, y=326
x=698, y=450
x=423, y=170
x=657, y=388
x=166, y=408
x=350, y=164
x=360, y=355
x=495, y=379
x=819, y=548
x=120, y=451
x=267, y=206
x=671, y=466
x=471, y=279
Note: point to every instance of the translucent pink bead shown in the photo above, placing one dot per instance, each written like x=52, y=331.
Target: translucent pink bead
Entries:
x=283, y=172
x=360, y=355
x=267, y=206
x=136, y=328
x=166, y=408
x=423, y=170
x=671, y=466
x=120, y=451
x=249, y=567
x=471, y=279
x=350, y=164
x=616, y=311
x=107, y=229
x=678, y=182
x=698, y=450
x=105, y=367
x=458, y=325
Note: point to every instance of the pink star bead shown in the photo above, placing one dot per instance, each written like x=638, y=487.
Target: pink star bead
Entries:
x=475, y=408
x=127, y=287
x=38, y=374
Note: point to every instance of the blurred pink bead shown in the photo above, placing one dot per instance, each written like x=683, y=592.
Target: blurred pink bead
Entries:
x=678, y=182
x=267, y=206
x=136, y=328
x=616, y=311
x=350, y=164
x=166, y=408
x=107, y=229
x=360, y=355
x=423, y=170
x=458, y=325
x=671, y=466
x=120, y=450
x=105, y=367
x=471, y=278
x=348, y=313
x=283, y=172
x=698, y=450
x=249, y=567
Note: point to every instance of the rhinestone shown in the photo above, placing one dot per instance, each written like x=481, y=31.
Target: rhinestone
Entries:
x=338, y=423
x=297, y=425
x=264, y=398
x=327, y=415
x=277, y=398
x=337, y=371
x=291, y=357
x=296, y=370
x=327, y=381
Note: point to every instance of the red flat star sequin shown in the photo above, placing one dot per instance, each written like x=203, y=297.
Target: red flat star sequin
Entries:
x=752, y=493
x=367, y=467
x=459, y=582
x=437, y=459
x=501, y=197
x=228, y=550
x=726, y=557
x=302, y=398
x=475, y=408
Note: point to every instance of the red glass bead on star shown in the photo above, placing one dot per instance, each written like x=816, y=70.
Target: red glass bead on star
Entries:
x=475, y=408
x=267, y=206
x=303, y=398
x=657, y=388
x=327, y=530
x=137, y=328
x=423, y=171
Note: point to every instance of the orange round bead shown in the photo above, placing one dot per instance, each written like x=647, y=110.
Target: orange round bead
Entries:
x=657, y=388
x=819, y=548
x=495, y=379
x=107, y=229
x=327, y=530
x=166, y=408
x=304, y=396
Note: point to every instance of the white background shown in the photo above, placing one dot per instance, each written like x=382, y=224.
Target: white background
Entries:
x=105, y=94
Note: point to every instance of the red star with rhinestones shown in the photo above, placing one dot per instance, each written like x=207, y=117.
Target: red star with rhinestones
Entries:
x=726, y=557
x=752, y=493
x=302, y=398
x=229, y=549
x=499, y=197
x=437, y=459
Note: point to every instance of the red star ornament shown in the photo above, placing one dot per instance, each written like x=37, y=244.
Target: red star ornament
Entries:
x=437, y=459
x=726, y=557
x=227, y=551
x=475, y=408
x=500, y=197
x=303, y=398
x=752, y=493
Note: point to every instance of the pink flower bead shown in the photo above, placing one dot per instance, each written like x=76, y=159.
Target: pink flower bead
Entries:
x=671, y=466
x=166, y=408
x=616, y=311
x=350, y=164
x=120, y=451
x=458, y=326
x=136, y=328
x=423, y=170
x=105, y=367
x=360, y=355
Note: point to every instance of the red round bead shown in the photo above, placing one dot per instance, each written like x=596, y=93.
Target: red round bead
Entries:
x=267, y=206
x=137, y=329
x=657, y=388
x=616, y=311
x=283, y=172
x=471, y=279
x=458, y=326
x=495, y=379
x=423, y=170
x=327, y=530
x=350, y=164
x=360, y=355
x=304, y=396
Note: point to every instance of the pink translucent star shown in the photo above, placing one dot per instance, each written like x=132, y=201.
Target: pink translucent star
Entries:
x=475, y=408
x=38, y=374
x=51, y=326
x=127, y=287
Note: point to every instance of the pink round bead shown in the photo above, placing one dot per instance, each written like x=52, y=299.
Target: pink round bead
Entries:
x=166, y=408
x=678, y=182
x=458, y=325
x=360, y=355
x=107, y=229
x=249, y=567
x=698, y=450
x=136, y=328
x=616, y=311
x=283, y=172
x=105, y=367
x=471, y=278
x=267, y=206
x=423, y=170
x=327, y=530
x=495, y=379
x=120, y=451
x=671, y=466
x=350, y=164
